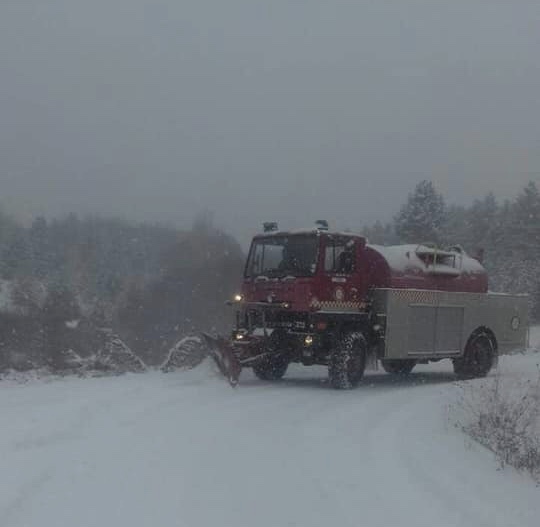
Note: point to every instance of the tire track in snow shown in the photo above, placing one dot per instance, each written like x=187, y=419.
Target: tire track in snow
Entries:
x=399, y=438
x=471, y=494
x=158, y=450
x=398, y=451
x=433, y=478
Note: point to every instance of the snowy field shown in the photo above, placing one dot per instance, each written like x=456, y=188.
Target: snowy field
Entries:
x=185, y=450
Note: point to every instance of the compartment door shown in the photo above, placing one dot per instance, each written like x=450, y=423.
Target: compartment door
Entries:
x=422, y=322
x=448, y=340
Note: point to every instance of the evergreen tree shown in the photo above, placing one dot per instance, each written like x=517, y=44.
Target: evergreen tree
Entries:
x=524, y=244
x=524, y=227
x=421, y=219
x=16, y=257
x=59, y=309
x=455, y=225
x=26, y=295
x=380, y=234
x=7, y=228
x=117, y=357
x=40, y=254
x=482, y=220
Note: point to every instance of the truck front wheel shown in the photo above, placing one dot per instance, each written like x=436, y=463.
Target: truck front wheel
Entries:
x=271, y=367
x=398, y=367
x=348, y=361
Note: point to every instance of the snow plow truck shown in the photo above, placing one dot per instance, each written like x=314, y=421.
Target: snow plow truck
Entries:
x=318, y=297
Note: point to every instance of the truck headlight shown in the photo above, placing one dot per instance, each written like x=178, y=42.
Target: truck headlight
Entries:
x=308, y=341
x=238, y=298
x=239, y=335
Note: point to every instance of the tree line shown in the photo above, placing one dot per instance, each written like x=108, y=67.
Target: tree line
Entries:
x=71, y=283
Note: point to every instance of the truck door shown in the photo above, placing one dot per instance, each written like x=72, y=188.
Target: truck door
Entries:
x=341, y=285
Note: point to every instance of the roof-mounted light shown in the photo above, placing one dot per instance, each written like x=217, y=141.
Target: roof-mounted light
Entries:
x=270, y=226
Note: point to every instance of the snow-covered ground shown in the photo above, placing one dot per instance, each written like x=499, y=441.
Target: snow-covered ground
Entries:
x=184, y=449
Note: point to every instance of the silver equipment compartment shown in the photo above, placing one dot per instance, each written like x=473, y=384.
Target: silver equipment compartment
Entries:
x=426, y=324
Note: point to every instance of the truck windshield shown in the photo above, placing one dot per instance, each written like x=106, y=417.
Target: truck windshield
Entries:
x=279, y=256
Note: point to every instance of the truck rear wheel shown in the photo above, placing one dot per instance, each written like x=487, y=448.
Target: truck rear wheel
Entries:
x=348, y=361
x=398, y=367
x=478, y=358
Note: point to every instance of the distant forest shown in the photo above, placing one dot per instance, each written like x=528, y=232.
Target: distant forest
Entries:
x=150, y=285
x=507, y=233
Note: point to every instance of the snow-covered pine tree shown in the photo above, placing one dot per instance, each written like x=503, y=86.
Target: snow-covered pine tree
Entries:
x=454, y=228
x=27, y=295
x=525, y=223
x=481, y=222
x=117, y=357
x=524, y=230
x=16, y=256
x=7, y=228
x=380, y=234
x=186, y=353
x=59, y=309
x=421, y=218
x=40, y=250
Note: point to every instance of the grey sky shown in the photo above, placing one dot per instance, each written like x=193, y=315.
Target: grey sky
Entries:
x=288, y=110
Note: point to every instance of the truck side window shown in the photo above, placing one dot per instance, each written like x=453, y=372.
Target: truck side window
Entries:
x=339, y=258
x=256, y=259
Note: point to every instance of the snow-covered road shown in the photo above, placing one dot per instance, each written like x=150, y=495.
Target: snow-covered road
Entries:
x=184, y=449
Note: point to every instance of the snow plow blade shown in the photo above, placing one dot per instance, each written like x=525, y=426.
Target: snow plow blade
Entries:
x=222, y=351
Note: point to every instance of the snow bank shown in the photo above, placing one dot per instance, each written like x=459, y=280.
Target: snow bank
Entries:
x=187, y=353
x=503, y=412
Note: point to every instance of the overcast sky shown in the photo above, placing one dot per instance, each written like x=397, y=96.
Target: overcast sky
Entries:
x=277, y=110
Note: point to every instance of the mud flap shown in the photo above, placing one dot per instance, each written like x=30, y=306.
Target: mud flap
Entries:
x=222, y=351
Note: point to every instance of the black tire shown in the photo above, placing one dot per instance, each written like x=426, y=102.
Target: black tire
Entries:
x=479, y=357
x=348, y=361
x=398, y=367
x=271, y=367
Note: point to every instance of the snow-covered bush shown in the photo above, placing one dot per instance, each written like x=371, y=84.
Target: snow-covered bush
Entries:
x=185, y=354
x=505, y=417
x=117, y=357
